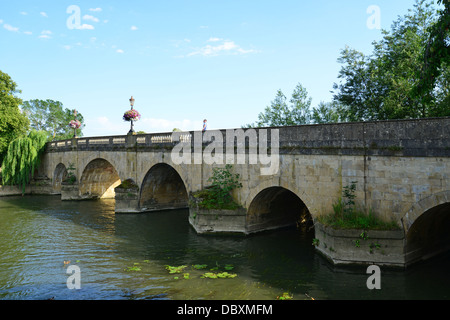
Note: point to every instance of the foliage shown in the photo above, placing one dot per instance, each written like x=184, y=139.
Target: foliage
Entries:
x=436, y=56
x=13, y=123
x=285, y=296
x=347, y=216
x=51, y=116
x=173, y=269
x=220, y=275
x=218, y=195
x=71, y=178
x=279, y=113
x=384, y=85
x=23, y=158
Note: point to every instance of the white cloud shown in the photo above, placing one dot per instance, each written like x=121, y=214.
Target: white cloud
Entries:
x=226, y=47
x=29, y=33
x=120, y=51
x=23, y=13
x=91, y=18
x=45, y=34
x=1, y=21
x=133, y=28
x=10, y=28
x=67, y=47
x=44, y=14
x=95, y=9
x=85, y=26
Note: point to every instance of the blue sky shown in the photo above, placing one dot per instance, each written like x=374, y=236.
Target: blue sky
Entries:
x=183, y=61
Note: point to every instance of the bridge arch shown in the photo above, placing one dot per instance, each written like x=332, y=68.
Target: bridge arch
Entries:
x=59, y=174
x=276, y=207
x=98, y=180
x=427, y=227
x=162, y=188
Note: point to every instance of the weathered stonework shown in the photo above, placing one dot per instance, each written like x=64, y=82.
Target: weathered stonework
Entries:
x=361, y=247
x=217, y=221
x=70, y=192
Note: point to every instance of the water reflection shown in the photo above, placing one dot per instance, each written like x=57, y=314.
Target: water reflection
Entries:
x=39, y=233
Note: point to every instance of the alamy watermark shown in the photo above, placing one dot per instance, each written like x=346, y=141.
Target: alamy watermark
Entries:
x=235, y=148
x=374, y=281
x=74, y=280
x=374, y=20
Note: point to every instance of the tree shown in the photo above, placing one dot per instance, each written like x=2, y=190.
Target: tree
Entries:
x=436, y=56
x=328, y=112
x=23, y=158
x=279, y=113
x=383, y=85
x=50, y=116
x=13, y=122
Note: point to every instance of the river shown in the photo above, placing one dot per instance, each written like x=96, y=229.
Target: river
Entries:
x=124, y=256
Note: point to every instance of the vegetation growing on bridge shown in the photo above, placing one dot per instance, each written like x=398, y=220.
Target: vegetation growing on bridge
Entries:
x=218, y=195
x=347, y=216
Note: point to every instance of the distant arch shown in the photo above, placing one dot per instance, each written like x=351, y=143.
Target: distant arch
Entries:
x=98, y=180
x=276, y=207
x=59, y=174
x=162, y=189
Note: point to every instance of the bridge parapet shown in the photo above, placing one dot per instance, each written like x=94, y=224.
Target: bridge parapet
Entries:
x=418, y=138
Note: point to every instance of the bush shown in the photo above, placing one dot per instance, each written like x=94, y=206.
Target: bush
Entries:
x=218, y=195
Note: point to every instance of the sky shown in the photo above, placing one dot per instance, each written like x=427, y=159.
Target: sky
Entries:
x=182, y=61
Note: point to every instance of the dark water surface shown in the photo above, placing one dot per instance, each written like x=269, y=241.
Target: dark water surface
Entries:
x=124, y=257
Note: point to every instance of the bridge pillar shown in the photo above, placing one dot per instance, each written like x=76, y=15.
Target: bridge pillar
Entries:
x=127, y=197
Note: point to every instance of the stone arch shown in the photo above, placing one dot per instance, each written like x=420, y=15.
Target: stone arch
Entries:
x=163, y=188
x=427, y=227
x=59, y=174
x=98, y=180
x=422, y=206
x=276, y=207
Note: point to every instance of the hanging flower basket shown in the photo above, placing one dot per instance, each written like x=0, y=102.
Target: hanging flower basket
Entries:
x=131, y=115
x=75, y=124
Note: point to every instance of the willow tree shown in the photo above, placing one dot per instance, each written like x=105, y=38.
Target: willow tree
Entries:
x=23, y=158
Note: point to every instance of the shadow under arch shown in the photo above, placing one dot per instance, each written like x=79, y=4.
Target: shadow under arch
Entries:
x=163, y=189
x=59, y=174
x=275, y=208
x=429, y=235
x=98, y=180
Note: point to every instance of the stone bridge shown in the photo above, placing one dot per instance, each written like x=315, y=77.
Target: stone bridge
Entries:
x=401, y=169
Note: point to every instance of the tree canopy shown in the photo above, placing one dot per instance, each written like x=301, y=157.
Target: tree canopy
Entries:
x=385, y=84
x=51, y=116
x=280, y=113
x=13, y=122
x=23, y=158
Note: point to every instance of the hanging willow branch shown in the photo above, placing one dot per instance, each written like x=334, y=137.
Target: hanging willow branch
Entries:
x=23, y=158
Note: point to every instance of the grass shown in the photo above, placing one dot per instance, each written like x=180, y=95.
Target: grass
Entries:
x=209, y=200
x=357, y=220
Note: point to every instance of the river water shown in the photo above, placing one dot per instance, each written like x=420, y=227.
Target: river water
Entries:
x=125, y=257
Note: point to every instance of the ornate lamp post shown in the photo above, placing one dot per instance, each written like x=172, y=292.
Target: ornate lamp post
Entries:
x=131, y=115
x=75, y=124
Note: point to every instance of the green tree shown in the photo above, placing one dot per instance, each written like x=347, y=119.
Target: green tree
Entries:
x=23, y=158
x=383, y=85
x=329, y=112
x=436, y=57
x=51, y=116
x=13, y=122
x=279, y=113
